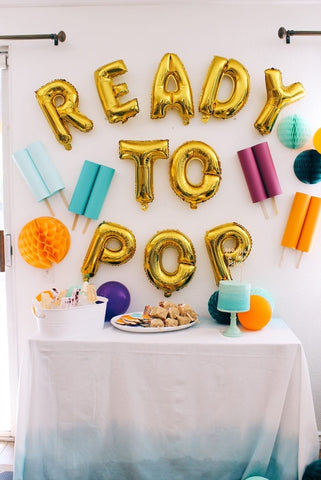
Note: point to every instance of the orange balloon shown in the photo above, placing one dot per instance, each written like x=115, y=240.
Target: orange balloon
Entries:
x=43, y=241
x=258, y=316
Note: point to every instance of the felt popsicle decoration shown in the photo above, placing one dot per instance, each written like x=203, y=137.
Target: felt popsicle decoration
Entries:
x=90, y=191
x=260, y=174
x=252, y=177
x=302, y=223
x=39, y=173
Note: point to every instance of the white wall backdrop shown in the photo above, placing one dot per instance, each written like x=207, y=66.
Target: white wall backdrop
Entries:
x=141, y=35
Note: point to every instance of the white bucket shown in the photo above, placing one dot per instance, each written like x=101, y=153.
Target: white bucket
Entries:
x=71, y=322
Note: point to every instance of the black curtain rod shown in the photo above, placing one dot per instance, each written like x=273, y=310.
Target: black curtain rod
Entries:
x=56, y=37
x=288, y=33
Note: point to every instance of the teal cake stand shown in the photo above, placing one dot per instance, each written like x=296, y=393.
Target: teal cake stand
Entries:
x=232, y=330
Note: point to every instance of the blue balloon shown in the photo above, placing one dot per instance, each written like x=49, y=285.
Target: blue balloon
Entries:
x=118, y=298
x=261, y=292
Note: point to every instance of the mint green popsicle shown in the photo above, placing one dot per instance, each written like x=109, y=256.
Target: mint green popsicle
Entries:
x=31, y=175
x=45, y=167
x=38, y=171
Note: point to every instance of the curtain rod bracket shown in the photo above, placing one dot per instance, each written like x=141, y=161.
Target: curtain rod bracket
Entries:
x=56, y=37
x=288, y=33
x=59, y=37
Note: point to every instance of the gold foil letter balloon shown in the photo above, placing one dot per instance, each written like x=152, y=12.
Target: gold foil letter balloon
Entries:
x=100, y=251
x=278, y=97
x=171, y=68
x=222, y=258
x=209, y=104
x=180, y=161
x=110, y=93
x=58, y=114
x=144, y=153
x=153, y=264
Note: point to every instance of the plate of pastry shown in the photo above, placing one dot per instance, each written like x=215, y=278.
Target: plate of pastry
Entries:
x=166, y=317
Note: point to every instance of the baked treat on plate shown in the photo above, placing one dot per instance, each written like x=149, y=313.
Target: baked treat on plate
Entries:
x=165, y=314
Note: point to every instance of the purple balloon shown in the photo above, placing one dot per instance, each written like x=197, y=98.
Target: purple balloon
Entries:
x=118, y=298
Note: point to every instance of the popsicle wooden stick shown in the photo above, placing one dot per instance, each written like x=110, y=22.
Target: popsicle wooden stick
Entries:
x=84, y=230
x=275, y=207
x=75, y=222
x=282, y=257
x=64, y=199
x=264, y=210
x=49, y=207
x=299, y=260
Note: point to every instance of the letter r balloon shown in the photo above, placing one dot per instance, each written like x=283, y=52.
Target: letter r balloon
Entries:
x=67, y=112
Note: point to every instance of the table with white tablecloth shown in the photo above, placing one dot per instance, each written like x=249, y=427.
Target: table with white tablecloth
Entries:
x=181, y=405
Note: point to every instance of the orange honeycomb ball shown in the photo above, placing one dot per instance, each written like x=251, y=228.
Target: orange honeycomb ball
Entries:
x=44, y=241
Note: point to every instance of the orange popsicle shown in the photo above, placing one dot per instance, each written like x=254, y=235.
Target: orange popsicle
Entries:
x=296, y=220
x=309, y=227
x=310, y=224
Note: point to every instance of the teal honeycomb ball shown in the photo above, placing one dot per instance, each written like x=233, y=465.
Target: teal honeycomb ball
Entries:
x=294, y=131
x=223, y=318
x=307, y=166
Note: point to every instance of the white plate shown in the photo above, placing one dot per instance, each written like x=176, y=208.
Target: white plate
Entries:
x=134, y=329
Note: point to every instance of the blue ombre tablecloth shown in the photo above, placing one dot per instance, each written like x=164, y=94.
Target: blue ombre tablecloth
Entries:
x=184, y=405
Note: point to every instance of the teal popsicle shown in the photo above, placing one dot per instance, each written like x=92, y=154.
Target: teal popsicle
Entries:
x=90, y=192
x=83, y=187
x=99, y=192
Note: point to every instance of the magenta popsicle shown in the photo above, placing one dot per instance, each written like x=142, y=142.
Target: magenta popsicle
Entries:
x=252, y=175
x=260, y=174
x=267, y=169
